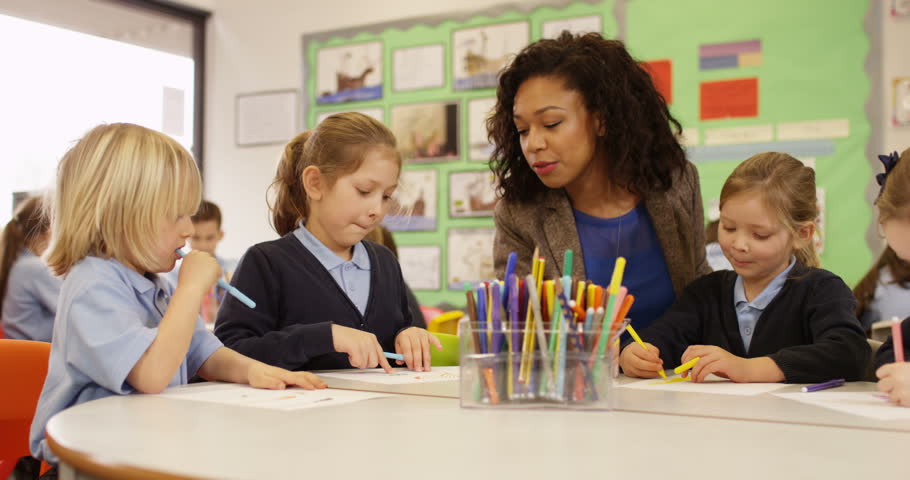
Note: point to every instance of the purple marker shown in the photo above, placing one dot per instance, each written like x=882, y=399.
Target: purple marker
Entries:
x=824, y=386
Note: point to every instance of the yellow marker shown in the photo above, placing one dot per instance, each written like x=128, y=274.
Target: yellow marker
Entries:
x=686, y=366
x=638, y=341
x=672, y=380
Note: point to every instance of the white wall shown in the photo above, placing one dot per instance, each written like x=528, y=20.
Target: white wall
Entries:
x=255, y=46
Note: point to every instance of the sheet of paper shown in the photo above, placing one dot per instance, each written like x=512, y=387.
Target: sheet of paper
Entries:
x=734, y=135
x=866, y=404
x=247, y=396
x=712, y=384
x=836, y=128
x=399, y=377
x=420, y=266
x=736, y=98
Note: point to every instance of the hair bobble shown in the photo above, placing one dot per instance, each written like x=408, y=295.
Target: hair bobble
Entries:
x=889, y=161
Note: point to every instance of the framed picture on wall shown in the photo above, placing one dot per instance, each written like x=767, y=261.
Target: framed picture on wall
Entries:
x=470, y=256
x=417, y=68
x=414, y=202
x=553, y=28
x=376, y=113
x=265, y=118
x=426, y=132
x=480, y=53
x=420, y=266
x=349, y=73
x=479, y=147
x=472, y=194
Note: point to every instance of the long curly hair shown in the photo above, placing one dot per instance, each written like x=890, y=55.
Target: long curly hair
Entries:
x=642, y=150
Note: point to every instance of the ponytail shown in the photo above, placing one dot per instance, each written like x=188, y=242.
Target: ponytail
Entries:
x=28, y=223
x=290, y=205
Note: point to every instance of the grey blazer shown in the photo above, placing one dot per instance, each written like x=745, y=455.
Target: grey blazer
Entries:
x=549, y=224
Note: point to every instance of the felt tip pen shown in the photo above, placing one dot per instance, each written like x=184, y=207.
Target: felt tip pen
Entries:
x=393, y=356
x=823, y=386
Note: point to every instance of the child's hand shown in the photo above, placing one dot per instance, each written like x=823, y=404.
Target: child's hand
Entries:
x=718, y=361
x=198, y=271
x=362, y=348
x=414, y=344
x=894, y=379
x=261, y=375
x=638, y=362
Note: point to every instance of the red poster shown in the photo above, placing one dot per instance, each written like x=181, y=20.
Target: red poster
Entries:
x=662, y=75
x=729, y=99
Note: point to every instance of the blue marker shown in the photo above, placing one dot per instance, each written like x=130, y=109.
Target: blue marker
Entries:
x=393, y=356
x=230, y=288
x=510, y=269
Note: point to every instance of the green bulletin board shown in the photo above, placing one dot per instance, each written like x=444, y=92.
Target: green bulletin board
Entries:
x=811, y=69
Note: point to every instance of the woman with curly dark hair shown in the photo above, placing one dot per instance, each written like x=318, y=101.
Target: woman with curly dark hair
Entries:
x=586, y=159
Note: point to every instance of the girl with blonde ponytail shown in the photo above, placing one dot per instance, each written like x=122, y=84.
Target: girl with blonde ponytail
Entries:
x=777, y=317
x=327, y=298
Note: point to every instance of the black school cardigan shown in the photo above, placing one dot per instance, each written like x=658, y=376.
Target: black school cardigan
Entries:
x=297, y=301
x=885, y=353
x=809, y=329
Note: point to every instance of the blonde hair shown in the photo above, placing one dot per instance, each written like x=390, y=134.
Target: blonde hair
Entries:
x=114, y=188
x=788, y=188
x=336, y=147
x=894, y=199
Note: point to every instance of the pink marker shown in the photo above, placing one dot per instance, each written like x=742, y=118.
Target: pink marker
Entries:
x=898, y=339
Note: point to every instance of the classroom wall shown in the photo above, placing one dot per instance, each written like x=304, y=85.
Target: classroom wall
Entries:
x=256, y=46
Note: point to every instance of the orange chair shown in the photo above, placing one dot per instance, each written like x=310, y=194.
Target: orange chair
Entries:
x=23, y=367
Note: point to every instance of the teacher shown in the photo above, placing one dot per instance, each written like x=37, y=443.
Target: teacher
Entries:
x=585, y=159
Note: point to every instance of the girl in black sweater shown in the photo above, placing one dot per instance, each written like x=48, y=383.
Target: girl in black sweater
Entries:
x=326, y=298
x=777, y=317
x=894, y=215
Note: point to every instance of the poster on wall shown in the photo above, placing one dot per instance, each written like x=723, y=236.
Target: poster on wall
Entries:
x=349, y=73
x=472, y=194
x=420, y=266
x=470, y=256
x=576, y=25
x=900, y=98
x=370, y=112
x=418, y=67
x=480, y=53
x=479, y=147
x=414, y=202
x=426, y=132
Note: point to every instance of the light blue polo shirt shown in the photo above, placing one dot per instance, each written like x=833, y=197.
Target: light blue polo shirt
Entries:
x=353, y=277
x=107, y=318
x=31, y=299
x=747, y=312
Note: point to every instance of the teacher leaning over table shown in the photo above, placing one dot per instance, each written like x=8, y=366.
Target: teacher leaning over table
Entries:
x=586, y=159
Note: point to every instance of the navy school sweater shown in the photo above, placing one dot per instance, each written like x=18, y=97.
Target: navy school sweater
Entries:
x=297, y=301
x=809, y=329
x=885, y=354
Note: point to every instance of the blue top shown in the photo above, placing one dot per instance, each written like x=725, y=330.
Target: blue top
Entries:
x=890, y=300
x=352, y=276
x=747, y=312
x=631, y=236
x=108, y=316
x=31, y=299
x=716, y=258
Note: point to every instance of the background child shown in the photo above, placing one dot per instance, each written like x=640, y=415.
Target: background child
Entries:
x=207, y=236
x=884, y=291
x=713, y=253
x=776, y=318
x=383, y=236
x=122, y=206
x=894, y=215
x=28, y=290
x=325, y=298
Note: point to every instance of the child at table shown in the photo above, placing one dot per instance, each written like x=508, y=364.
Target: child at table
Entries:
x=121, y=208
x=894, y=216
x=777, y=317
x=327, y=299
x=28, y=290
